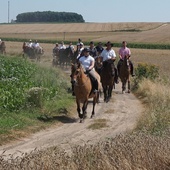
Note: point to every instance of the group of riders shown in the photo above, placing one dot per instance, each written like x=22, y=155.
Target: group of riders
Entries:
x=87, y=56
x=33, y=46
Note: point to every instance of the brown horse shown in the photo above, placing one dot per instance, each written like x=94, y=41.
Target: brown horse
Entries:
x=83, y=90
x=2, y=48
x=124, y=74
x=107, y=79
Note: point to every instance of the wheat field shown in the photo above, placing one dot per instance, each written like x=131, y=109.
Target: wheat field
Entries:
x=140, y=32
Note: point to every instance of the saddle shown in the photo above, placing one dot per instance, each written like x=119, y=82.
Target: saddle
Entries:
x=94, y=82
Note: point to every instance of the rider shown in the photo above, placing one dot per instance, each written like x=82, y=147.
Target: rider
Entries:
x=124, y=51
x=109, y=54
x=80, y=50
x=30, y=44
x=56, y=50
x=88, y=63
x=62, y=46
x=99, y=48
x=37, y=46
x=93, y=51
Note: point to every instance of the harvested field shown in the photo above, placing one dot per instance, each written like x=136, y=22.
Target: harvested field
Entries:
x=116, y=32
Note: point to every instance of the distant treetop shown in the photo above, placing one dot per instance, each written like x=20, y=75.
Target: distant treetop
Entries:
x=49, y=16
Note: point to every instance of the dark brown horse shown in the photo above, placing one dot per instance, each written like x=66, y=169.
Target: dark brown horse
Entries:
x=2, y=48
x=124, y=74
x=65, y=56
x=107, y=79
x=83, y=90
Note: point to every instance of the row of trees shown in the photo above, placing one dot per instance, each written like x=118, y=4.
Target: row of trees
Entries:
x=49, y=16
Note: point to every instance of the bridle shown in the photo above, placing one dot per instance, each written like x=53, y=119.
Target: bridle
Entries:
x=75, y=75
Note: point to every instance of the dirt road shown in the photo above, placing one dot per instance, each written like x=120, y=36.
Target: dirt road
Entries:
x=121, y=114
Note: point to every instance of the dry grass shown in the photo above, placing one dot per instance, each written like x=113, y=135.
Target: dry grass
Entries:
x=134, y=152
x=98, y=124
x=156, y=95
x=115, y=32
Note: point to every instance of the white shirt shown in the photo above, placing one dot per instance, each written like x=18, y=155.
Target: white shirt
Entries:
x=36, y=45
x=62, y=47
x=86, y=61
x=30, y=44
x=80, y=51
x=106, y=55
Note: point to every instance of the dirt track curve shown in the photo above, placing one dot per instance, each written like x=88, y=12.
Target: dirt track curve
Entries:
x=121, y=114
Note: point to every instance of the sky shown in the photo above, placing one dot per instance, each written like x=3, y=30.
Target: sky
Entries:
x=92, y=10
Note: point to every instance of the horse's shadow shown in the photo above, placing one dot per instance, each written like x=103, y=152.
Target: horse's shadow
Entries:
x=60, y=118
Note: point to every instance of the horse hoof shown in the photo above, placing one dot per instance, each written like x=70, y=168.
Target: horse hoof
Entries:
x=128, y=91
x=92, y=116
x=123, y=92
x=81, y=120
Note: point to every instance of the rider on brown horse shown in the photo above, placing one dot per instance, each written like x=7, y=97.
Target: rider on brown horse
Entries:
x=124, y=51
x=109, y=54
x=88, y=63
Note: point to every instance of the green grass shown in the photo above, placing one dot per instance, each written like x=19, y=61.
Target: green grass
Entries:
x=22, y=105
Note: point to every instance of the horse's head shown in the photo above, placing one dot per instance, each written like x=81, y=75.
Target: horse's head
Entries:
x=75, y=71
x=126, y=60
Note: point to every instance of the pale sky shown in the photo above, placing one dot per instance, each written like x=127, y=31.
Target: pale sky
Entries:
x=93, y=10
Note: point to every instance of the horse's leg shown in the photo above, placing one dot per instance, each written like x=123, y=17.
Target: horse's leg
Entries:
x=128, y=86
x=123, y=86
x=105, y=93
x=84, y=109
x=79, y=110
x=94, y=103
x=110, y=92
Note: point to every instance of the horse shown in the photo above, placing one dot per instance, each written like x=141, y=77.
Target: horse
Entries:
x=65, y=56
x=98, y=64
x=2, y=48
x=124, y=74
x=107, y=79
x=32, y=52
x=83, y=90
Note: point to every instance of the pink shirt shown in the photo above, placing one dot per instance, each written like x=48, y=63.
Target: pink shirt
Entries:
x=124, y=51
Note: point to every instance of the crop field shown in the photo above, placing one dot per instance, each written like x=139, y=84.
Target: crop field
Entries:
x=115, y=32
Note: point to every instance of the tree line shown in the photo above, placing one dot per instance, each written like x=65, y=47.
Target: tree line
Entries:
x=49, y=16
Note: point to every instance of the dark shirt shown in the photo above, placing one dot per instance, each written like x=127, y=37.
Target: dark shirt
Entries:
x=99, y=49
x=93, y=52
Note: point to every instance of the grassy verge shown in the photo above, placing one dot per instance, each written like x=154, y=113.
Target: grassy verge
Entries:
x=156, y=96
x=31, y=97
x=154, y=91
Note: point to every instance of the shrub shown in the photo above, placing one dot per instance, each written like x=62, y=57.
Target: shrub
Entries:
x=144, y=70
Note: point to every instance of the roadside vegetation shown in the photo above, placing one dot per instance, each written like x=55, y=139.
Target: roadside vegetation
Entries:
x=31, y=97
x=154, y=91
